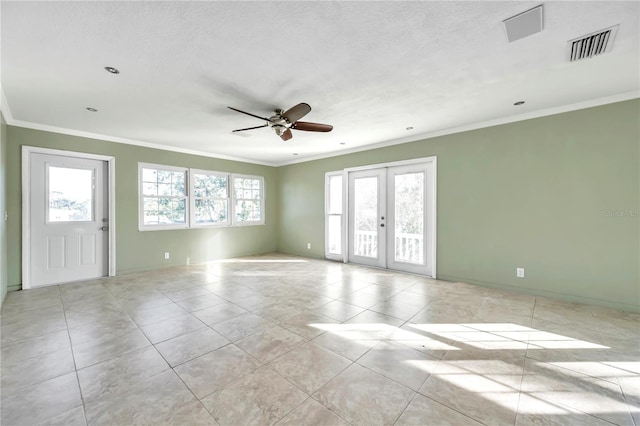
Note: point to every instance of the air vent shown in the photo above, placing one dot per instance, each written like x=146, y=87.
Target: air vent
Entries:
x=524, y=24
x=592, y=44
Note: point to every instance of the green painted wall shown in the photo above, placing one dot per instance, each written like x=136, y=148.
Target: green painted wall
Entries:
x=143, y=250
x=557, y=195
x=3, y=204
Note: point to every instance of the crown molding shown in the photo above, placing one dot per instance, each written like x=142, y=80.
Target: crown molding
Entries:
x=474, y=126
x=8, y=116
x=116, y=139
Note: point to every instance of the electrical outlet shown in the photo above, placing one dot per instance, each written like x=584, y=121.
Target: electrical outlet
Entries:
x=520, y=272
x=308, y=246
x=166, y=255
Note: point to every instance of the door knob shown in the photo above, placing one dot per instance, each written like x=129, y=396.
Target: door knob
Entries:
x=382, y=225
x=104, y=228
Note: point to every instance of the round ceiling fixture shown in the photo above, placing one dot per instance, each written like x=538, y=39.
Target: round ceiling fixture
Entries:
x=519, y=103
x=92, y=109
x=112, y=70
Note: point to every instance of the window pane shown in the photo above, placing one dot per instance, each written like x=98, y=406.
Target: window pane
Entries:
x=212, y=186
x=70, y=195
x=409, y=213
x=237, y=188
x=248, y=193
x=335, y=234
x=335, y=195
x=211, y=211
x=177, y=184
x=164, y=194
x=164, y=189
x=366, y=217
x=171, y=210
x=179, y=211
x=219, y=187
x=149, y=188
x=244, y=183
x=164, y=176
x=149, y=175
x=151, y=217
x=247, y=211
x=150, y=204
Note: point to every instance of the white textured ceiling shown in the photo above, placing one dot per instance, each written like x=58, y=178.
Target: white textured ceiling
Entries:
x=371, y=69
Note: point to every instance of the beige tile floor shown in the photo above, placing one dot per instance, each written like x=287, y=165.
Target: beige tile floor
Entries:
x=283, y=340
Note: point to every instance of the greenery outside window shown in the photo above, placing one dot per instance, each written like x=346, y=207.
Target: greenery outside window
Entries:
x=248, y=200
x=178, y=198
x=163, y=197
x=210, y=198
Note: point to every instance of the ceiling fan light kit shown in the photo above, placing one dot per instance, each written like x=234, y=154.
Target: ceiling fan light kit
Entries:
x=283, y=121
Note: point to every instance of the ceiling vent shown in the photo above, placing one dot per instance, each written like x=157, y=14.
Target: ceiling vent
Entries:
x=591, y=45
x=524, y=24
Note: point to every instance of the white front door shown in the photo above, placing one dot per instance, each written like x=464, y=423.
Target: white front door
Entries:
x=68, y=219
x=392, y=218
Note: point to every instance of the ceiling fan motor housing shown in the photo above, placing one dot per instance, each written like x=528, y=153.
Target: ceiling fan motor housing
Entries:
x=279, y=123
x=279, y=128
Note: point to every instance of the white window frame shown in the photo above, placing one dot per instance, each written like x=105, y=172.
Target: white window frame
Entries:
x=234, y=221
x=141, y=225
x=190, y=204
x=327, y=179
x=192, y=198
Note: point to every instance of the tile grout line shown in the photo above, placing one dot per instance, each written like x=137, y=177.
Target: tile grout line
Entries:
x=73, y=356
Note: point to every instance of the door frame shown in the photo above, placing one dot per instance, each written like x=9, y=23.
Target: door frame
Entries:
x=431, y=224
x=27, y=151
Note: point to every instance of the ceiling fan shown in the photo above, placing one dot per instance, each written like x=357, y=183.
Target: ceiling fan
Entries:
x=283, y=121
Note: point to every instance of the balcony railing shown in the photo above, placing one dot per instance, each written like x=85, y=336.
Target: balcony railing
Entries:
x=408, y=247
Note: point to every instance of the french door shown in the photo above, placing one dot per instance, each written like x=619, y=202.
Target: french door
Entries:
x=391, y=218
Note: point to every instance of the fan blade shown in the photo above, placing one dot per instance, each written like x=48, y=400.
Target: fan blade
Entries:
x=297, y=112
x=248, y=113
x=286, y=135
x=250, y=128
x=312, y=127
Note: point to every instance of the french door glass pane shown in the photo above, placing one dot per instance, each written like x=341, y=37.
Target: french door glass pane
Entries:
x=409, y=218
x=70, y=194
x=366, y=217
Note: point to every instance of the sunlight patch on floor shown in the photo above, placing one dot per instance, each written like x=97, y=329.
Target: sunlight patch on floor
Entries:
x=504, y=336
x=381, y=331
x=262, y=261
